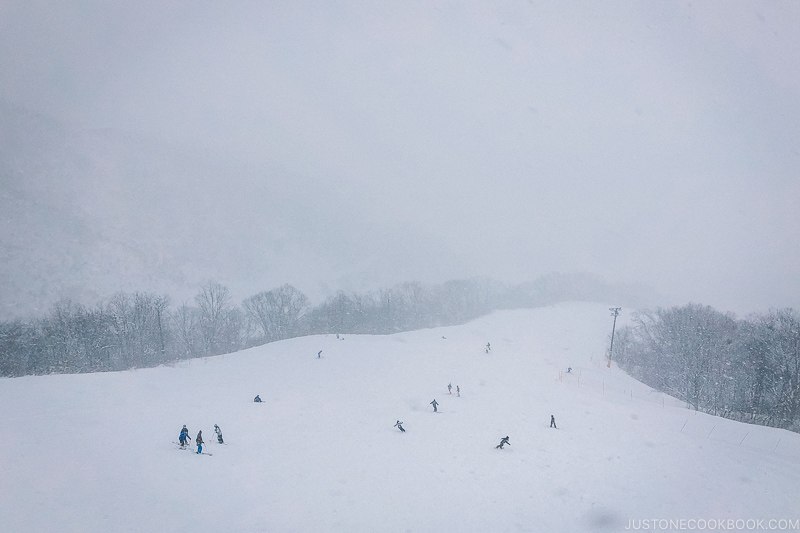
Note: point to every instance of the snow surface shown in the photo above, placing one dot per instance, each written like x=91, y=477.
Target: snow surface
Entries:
x=96, y=453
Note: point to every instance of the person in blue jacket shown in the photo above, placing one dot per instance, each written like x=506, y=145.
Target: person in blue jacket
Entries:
x=184, y=436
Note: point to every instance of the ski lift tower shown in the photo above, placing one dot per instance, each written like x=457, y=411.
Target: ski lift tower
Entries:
x=615, y=313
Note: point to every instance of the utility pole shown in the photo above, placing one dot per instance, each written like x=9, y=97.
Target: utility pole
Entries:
x=615, y=313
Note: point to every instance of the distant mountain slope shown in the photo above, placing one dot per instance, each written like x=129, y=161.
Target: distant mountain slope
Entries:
x=89, y=213
x=86, y=214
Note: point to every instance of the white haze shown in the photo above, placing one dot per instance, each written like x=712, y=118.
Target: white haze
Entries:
x=643, y=142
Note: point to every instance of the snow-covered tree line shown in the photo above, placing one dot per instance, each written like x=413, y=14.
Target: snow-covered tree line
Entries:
x=747, y=369
x=142, y=330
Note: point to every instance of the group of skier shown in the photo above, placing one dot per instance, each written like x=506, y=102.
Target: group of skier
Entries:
x=450, y=389
x=184, y=434
x=435, y=404
x=183, y=438
x=505, y=440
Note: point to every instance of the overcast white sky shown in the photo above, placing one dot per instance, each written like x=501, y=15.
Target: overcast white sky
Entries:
x=655, y=142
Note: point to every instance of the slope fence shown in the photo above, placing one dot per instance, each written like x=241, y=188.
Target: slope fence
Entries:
x=695, y=423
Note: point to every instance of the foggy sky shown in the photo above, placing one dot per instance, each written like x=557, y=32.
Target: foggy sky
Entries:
x=641, y=141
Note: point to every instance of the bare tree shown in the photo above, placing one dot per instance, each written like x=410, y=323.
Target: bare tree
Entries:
x=277, y=312
x=747, y=370
x=213, y=301
x=186, y=325
x=783, y=331
x=19, y=348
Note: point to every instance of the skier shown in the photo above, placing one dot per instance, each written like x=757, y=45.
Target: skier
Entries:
x=458, y=391
x=257, y=399
x=219, y=434
x=184, y=436
x=503, y=442
x=434, y=403
x=488, y=347
x=319, y=354
x=399, y=425
x=449, y=388
x=199, y=441
x=569, y=370
x=553, y=422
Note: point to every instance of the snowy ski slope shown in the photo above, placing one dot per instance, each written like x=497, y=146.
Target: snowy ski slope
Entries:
x=95, y=453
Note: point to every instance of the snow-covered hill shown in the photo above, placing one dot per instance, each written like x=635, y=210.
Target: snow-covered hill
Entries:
x=95, y=453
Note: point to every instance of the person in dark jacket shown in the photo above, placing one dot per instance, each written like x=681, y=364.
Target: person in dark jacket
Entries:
x=434, y=403
x=553, y=422
x=503, y=442
x=399, y=425
x=219, y=434
x=257, y=399
x=199, y=441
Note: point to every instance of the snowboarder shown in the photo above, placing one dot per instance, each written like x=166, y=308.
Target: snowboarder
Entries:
x=219, y=434
x=184, y=436
x=257, y=399
x=503, y=442
x=319, y=354
x=553, y=422
x=399, y=425
x=458, y=391
x=488, y=347
x=449, y=388
x=199, y=441
x=434, y=403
